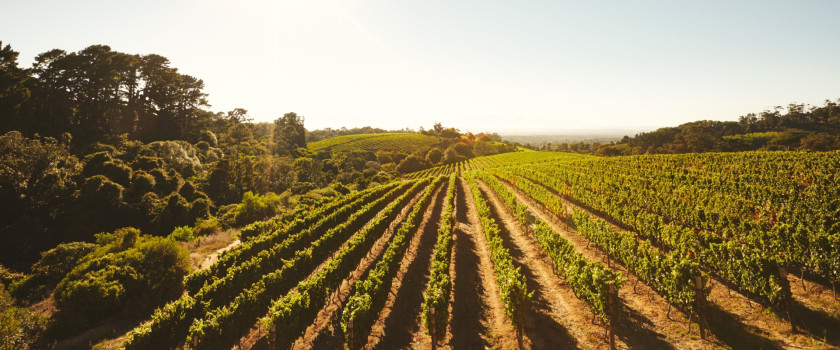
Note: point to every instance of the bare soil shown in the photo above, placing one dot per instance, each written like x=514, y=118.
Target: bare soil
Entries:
x=647, y=321
x=468, y=308
x=326, y=332
x=396, y=328
x=555, y=317
x=501, y=333
x=741, y=323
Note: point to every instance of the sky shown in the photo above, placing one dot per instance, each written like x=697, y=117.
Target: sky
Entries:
x=512, y=67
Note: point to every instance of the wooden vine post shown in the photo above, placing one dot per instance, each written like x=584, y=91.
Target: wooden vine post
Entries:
x=352, y=335
x=786, y=296
x=699, y=297
x=611, y=305
x=519, y=326
x=432, y=329
x=195, y=342
x=272, y=337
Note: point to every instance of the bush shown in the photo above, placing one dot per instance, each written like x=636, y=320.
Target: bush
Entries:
x=99, y=190
x=130, y=273
x=142, y=182
x=204, y=227
x=200, y=209
x=175, y=213
x=51, y=269
x=411, y=164
x=19, y=328
x=182, y=234
x=256, y=207
x=148, y=163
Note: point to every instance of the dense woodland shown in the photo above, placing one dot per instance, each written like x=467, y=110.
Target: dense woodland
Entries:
x=100, y=151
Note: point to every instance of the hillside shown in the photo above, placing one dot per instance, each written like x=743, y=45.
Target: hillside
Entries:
x=394, y=142
x=545, y=238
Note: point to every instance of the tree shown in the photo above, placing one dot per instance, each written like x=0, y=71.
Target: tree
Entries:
x=411, y=164
x=434, y=156
x=13, y=91
x=289, y=133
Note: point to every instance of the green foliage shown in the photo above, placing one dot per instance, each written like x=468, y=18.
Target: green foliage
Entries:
x=269, y=272
x=256, y=207
x=37, y=182
x=19, y=328
x=386, y=142
x=512, y=285
x=411, y=164
x=204, y=227
x=372, y=291
x=439, y=288
x=182, y=234
x=289, y=134
x=142, y=182
x=53, y=266
x=131, y=273
x=589, y=280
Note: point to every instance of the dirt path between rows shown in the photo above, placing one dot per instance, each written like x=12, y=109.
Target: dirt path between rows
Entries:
x=646, y=323
x=256, y=339
x=732, y=318
x=556, y=317
x=326, y=332
x=395, y=327
x=468, y=308
x=501, y=333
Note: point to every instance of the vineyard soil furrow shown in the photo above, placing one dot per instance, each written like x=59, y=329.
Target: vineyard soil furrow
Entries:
x=395, y=327
x=557, y=315
x=326, y=332
x=501, y=332
x=468, y=306
x=647, y=309
x=737, y=321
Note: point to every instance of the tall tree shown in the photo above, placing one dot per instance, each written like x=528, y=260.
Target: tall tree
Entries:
x=289, y=133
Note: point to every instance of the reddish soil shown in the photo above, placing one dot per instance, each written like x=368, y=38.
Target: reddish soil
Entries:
x=501, y=332
x=395, y=327
x=325, y=332
x=737, y=322
x=556, y=315
x=466, y=328
x=647, y=323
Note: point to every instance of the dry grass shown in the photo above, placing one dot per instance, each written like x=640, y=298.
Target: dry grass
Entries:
x=205, y=250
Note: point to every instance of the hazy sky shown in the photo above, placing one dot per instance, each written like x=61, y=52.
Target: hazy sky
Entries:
x=520, y=66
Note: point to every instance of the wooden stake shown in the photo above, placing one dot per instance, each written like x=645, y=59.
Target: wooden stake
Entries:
x=352, y=341
x=612, y=316
x=432, y=329
x=786, y=296
x=272, y=337
x=698, y=283
x=195, y=342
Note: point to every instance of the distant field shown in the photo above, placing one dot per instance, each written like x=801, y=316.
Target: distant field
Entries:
x=402, y=142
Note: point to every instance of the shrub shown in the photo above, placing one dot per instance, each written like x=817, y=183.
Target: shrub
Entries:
x=256, y=207
x=142, y=182
x=182, y=234
x=130, y=273
x=19, y=328
x=99, y=189
x=204, y=227
x=51, y=269
x=199, y=209
x=411, y=164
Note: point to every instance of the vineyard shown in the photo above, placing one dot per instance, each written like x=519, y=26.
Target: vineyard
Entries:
x=404, y=142
x=535, y=250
